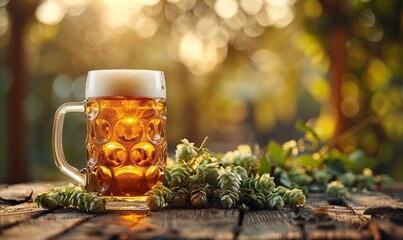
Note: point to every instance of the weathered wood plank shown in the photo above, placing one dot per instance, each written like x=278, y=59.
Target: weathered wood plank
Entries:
x=335, y=222
x=325, y=217
x=35, y=187
x=166, y=224
x=270, y=224
x=316, y=200
x=388, y=228
x=13, y=194
x=279, y=224
x=10, y=215
x=45, y=226
x=377, y=201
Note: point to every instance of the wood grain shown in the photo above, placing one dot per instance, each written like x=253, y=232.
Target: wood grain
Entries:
x=45, y=226
x=359, y=216
x=166, y=224
x=10, y=215
x=13, y=214
x=361, y=202
x=270, y=224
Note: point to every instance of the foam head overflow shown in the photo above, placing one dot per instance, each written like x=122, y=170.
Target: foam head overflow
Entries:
x=126, y=83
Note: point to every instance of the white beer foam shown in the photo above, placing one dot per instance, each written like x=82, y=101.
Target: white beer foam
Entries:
x=125, y=82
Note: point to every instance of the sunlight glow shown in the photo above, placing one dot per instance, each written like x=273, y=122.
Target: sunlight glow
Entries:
x=226, y=8
x=350, y=107
x=326, y=123
x=4, y=21
x=251, y=6
x=50, y=12
x=149, y=2
x=191, y=49
x=117, y=16
x=145, y=27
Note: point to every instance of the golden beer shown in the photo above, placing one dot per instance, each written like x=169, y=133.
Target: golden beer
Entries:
x=126, y=146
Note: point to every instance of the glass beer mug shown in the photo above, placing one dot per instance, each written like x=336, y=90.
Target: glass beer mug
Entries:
x=126, y=147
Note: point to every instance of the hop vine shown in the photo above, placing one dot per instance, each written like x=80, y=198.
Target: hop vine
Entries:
x=201, y=178
x=71, y=196
x=271, y=178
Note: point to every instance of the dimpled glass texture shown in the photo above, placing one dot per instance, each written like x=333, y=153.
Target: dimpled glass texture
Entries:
x=126, y=145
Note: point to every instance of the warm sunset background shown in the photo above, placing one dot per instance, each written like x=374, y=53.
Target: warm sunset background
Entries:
x=238, y=71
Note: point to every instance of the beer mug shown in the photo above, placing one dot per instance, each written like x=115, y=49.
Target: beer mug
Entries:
x=125, y=112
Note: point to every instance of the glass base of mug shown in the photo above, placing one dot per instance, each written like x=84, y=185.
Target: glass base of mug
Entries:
x=137, y=203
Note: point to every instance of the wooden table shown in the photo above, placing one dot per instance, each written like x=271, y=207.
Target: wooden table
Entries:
x=360, y=216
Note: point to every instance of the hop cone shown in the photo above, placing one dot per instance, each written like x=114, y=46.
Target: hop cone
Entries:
x=229, y=179
x=71, y=196
x=274, y=201
x=281, y=190
x=229, y=182
x=264, y=183
x=295, y=197
x=228, y=198
x=248, y=183
x=207, y=173
x=336, y=189
x=260, y=200
x=241, y=171
x=180, y=197
x=366, y=180
x=248, y=197
x=185, y=151
x=348, y=179
x=299, y=176
x=238, y=158
x=198, y=197
x=384, y=180
x=155, y=201
x=321, y=176
x=158, y=196
x=45, y=200
x=167, y=179
x=179, y=175
x=88, y=202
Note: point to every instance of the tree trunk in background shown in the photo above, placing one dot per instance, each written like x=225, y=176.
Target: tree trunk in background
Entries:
x=337, y=38
x=20, y=12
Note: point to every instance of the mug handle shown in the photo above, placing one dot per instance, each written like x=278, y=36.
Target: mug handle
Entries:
x=57, y=141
